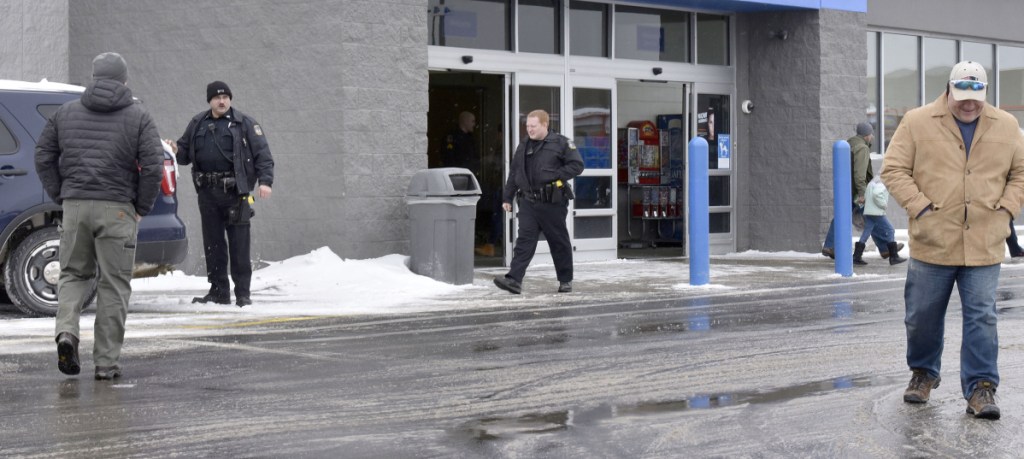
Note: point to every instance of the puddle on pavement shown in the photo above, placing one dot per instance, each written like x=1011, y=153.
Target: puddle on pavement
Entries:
x=549, y=338
x=490, y=429
x=498, y=428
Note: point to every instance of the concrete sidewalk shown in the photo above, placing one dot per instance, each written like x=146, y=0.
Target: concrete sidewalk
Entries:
x=669, y=277
x=654, y=278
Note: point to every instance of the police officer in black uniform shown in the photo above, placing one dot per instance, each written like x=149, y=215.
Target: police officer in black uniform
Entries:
x=539, y=179
x=229, y=155
x=460, y=146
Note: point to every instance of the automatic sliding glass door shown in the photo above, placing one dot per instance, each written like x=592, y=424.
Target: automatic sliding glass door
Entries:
x=532, y=92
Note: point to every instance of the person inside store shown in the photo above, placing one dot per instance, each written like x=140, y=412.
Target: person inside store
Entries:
x=957, y=167
x=459, y=149
x=538, y=180
x=231, y=162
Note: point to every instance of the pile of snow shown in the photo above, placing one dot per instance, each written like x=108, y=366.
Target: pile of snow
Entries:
x=318, y=283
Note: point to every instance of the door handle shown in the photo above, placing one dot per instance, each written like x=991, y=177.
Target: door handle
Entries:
x=12, y=172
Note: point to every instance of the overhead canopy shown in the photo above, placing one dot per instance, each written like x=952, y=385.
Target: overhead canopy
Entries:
x=749, y=6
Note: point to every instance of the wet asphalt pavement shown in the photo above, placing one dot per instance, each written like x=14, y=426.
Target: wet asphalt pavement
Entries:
x=781, y=359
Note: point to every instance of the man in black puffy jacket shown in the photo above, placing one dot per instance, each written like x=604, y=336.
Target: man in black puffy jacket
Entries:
x=100, y=158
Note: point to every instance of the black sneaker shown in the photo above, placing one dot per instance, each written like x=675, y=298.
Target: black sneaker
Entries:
x=982, y=403
x=565, y=287
x=67, y=354
x=508, y=284
x=920, y=387
x=242, y=301
x=108, y=373
x=211, y=298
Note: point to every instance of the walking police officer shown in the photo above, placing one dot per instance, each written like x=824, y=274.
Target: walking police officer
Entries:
x=539, y=179
x=228, y=154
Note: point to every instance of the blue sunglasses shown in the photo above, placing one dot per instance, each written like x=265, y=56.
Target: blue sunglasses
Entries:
x=969, y=84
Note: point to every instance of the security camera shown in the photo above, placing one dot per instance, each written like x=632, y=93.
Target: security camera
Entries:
x=747, y=106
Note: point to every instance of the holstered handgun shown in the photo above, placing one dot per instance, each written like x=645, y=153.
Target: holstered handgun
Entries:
x=242, y=212
x=555, y=193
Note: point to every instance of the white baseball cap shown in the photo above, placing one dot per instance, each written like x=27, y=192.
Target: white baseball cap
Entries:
x=967, y=72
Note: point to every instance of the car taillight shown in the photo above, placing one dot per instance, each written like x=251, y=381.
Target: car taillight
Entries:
x=170, y=180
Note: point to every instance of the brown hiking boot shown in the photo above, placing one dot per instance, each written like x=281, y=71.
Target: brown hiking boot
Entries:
x=982, y=403
x=920, y=387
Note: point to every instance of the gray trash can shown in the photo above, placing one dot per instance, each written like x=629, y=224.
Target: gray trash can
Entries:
x=442, y=217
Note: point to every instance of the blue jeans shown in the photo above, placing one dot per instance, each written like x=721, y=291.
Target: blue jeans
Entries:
x=879, y=223
x=927, y=295
x=878, y=234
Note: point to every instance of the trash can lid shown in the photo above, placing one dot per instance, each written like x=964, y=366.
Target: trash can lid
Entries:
x=443, y=181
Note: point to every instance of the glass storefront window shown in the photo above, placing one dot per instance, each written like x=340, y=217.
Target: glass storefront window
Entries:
x=984, y=54
x=588, y=29
x=651, y=34
x=712, y=39
x=718, y=190
x=545, y=98
x=718, y=223
x=593, y=192
x=901, y=81
x=479, y=24
x=592, y=131
x=540, y=26
x=592, y=227
x=939, y=59
x=873, y=102
x=1011, y=81
x=713, y=121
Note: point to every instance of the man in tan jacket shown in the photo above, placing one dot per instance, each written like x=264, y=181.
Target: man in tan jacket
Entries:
x=948, y=165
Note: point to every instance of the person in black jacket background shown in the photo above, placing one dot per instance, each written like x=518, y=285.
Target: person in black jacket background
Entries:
x=100, y=158
x=230, y=161
x=539, y=178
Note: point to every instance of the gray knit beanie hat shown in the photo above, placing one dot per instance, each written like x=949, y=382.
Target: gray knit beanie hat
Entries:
x=864, y=128
x=110, y=66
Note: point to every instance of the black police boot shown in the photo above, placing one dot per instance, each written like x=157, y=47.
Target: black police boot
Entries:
x=67, y=354
x=858, y=254
x=565, y=287
x=242, y=301
x=508, y=284
x=211, y=298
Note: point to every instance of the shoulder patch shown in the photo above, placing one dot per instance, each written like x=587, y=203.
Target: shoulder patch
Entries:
x=572, y=146
x=257, y=129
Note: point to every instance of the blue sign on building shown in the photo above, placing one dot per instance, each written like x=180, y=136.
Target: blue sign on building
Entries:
x=460, y=24
x=724, y=151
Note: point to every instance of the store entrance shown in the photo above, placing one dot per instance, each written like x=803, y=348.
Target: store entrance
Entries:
x=653, y=132
x=464, y=129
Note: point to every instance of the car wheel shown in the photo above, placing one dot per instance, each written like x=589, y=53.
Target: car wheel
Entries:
x=31, y=273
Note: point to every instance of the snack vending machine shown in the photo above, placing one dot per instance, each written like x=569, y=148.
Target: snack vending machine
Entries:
x=648, y=164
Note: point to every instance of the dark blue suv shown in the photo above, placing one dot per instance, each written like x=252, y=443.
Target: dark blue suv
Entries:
x=29, y=241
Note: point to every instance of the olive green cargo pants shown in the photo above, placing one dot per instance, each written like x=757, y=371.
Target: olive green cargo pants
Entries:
x=97, y=238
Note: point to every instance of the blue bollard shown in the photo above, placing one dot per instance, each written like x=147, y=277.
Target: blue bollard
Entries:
x=842, y=205
x=700, y=262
